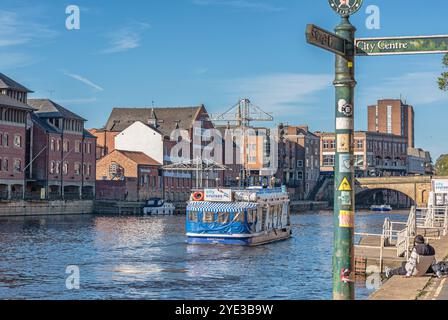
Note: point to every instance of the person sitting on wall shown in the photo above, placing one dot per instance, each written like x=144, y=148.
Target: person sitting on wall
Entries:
x=421, y=262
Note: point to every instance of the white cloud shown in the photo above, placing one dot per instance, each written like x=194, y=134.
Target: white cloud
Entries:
x=282, y=94
x=418, y=88
x=126, y=38
x=19, y=29
x=246, y=4
x=85, y=81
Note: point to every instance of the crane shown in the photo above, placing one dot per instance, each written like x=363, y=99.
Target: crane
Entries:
x=241, y=115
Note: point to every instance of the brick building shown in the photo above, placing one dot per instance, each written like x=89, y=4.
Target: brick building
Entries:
x=392, y=116
x=141, y=173
x=14, y=125
x=376, y=154
x=148, y=131
x=64, y=154
x=301, y=159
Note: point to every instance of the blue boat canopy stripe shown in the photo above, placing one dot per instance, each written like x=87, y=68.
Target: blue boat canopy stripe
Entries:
x=221, y=206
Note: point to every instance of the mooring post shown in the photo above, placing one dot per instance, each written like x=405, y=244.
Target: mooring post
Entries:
x=344, y=196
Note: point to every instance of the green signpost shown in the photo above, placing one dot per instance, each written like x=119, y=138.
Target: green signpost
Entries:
x=346, y=47
x=401, y=45
x=326, y=40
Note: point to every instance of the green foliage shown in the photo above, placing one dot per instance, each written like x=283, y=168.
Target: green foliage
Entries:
x=442, y=166
x=443, y=79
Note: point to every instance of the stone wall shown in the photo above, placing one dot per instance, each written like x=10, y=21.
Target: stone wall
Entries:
x=36, y=208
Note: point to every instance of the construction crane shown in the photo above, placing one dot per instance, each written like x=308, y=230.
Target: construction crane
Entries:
x=241, y=115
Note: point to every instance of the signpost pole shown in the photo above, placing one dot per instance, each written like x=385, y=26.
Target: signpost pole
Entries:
x=344, y=196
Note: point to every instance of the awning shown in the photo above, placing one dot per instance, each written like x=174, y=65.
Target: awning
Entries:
x=221, y=206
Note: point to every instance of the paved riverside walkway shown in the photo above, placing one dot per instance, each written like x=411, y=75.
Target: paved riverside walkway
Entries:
x=424, y=288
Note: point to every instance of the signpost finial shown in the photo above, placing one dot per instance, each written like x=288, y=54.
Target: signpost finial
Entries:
x=345, y=7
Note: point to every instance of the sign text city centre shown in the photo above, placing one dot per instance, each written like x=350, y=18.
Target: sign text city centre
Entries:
x=401, y=45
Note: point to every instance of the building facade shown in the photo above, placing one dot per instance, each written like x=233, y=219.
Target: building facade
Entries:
x=392, y=116
x=375, y=154
x=64, y=154
x=301, y=159
x=15, y=116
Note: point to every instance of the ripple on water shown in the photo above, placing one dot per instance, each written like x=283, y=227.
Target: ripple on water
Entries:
x=147, y=258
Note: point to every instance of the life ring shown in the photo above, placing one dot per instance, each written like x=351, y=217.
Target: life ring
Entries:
x=198, y=196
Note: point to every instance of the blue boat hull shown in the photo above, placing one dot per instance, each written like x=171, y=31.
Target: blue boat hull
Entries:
x=240, y=240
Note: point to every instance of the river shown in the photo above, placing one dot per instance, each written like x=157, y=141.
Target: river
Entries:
x=147, y=258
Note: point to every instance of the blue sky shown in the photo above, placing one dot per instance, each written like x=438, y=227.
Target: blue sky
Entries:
x=187, y=52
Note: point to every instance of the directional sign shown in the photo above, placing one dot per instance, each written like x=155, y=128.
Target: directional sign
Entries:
x=401, y=45
x=326, y=40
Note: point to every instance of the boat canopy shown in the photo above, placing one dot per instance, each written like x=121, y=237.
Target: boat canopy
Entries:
x=230, y=207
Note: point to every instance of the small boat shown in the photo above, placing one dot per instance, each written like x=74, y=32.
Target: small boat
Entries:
x=157, y=206
x=381, y=208
x=248, y=217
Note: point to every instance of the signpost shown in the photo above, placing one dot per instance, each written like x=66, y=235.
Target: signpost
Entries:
x=401, y=45
x=325, y=40
x=344, y=45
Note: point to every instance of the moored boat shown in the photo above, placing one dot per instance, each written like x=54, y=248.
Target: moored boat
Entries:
x=158, y=206
x=381, y=208
x=249, y=217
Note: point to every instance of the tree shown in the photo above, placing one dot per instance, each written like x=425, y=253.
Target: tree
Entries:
x=443, y=80
x=442, y=166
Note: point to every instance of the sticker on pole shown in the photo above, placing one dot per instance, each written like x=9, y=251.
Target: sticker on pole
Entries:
x=343, y=143
x=345, y=185
x=346, y=198
x=345, y=163
x=344, y=124
x=346, y=219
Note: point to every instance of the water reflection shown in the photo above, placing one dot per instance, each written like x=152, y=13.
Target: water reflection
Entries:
x=147, y=258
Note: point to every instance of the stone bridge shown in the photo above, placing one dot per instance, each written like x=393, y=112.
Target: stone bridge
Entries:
x=416, y=188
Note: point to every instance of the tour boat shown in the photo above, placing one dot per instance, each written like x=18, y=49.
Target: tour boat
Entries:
x=248, y=217
x=158, y=206
x=381, y=208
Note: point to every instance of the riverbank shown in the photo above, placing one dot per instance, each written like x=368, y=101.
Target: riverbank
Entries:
x=400, y=288
x=45, y=208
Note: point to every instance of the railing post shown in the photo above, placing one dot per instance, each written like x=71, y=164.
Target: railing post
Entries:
x=445, y=229
x=381, y=254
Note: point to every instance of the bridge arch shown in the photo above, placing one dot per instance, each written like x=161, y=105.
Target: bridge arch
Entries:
x=416, y=188
x=378, y=196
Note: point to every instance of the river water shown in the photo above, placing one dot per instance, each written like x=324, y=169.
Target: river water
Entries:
x=147, y=258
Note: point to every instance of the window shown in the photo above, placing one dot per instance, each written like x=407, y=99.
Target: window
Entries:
x=239, y=217
x=5, y=164
x=193, y=216
x=65, y=168
x=359, y=144
x=299, y=175
x=58, y=167
x=208, y=217
x=52, y=144
x=17, y=141
x=223, y=217
x=66, y=146
x=77, y=169
x=52, y=167
x=5, y=140
x=300, y=163
x=17, y=166
x=328, y=161
x=389, y=119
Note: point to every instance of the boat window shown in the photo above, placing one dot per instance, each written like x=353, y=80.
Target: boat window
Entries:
x=239, y=217
x=223, y=217
x=209, y=217
x=193, y=216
